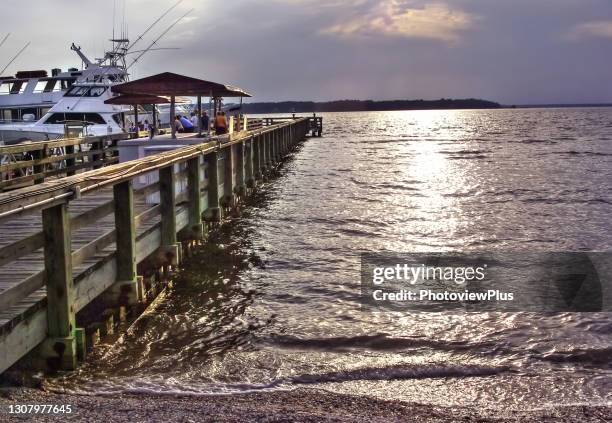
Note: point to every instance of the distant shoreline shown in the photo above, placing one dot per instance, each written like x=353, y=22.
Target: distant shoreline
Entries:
x=366, y=105
x=394, y=105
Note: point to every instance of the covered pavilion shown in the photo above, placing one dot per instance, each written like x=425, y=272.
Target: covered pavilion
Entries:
x=156, y=89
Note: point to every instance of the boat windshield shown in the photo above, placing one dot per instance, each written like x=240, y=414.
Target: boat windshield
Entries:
x=79, y=91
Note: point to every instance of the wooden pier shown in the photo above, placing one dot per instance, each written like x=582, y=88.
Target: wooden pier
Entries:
x=103, y=233
x=30, y=163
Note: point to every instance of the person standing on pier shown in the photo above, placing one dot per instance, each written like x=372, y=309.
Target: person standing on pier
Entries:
x=205, y=121
x=220, y=124
x=178, y=126
x=148, y=127
x=194, y=119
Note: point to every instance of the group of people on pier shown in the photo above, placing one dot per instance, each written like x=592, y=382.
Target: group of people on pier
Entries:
x=184, y=125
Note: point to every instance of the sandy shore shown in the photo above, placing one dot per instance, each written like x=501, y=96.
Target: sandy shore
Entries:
x=301, y=405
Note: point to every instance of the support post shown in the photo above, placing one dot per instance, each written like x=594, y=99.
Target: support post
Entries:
x=266, y=150
x=154, y=120
x=256, y=148
x=228, y=179
x=240, y=169
x=172, y=115
x=136, y=125
x=71, y=161
x=196, y=229
x=272, y=142
x=60, y=348
x=281, y=143
x=287, y=139
x=125, y=290
x=99, y=155
x=39, y=169
x=213, y=213
x=199, y=115
x=167, y=199
x=249, y=175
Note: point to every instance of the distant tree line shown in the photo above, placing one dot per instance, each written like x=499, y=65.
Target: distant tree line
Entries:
x=366, y=105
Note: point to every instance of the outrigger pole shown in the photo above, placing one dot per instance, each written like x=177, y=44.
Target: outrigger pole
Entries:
x=153, y=24
x=159, y=38
x=4, y=39
x=15, y=58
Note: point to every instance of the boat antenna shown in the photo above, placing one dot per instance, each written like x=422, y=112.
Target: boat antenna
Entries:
x=4, y=39
x=114, y=18
x=153, y=24
x=15, y=58
x=158, y=38
x=117, y=47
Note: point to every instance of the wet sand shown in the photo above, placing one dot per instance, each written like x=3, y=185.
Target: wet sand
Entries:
x=300, y=405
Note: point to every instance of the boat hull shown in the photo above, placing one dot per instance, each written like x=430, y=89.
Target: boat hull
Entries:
x=15, y=136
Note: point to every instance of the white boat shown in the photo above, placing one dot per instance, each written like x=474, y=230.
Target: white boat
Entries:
x=28, y=96
x=80, y=106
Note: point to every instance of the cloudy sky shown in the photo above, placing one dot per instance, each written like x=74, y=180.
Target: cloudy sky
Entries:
x=511, y=51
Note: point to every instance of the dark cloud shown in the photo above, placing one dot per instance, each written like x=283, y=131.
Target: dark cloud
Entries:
x=512, y=51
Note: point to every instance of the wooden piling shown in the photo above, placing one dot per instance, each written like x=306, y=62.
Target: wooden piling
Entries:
x=167, y=198
x=256, y=148
x=39, y=169
x=213, y=212
x=70, y=161
x=228, y=177
x=60, y=348
x=249, y=174
x=125, y=290
x=240, y=188
x=194, y=187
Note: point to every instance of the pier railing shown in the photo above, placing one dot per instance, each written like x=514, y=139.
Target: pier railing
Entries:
x=92, y=235
x=315, y=123
x=32, y=162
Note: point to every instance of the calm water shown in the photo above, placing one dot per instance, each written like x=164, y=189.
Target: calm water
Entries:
x=276, y=306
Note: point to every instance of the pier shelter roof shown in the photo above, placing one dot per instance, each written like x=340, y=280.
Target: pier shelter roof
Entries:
x=130, y=99
x=172, y=84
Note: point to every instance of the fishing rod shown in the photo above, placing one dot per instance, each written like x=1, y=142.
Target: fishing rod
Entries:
x=15, y=57
x=149, y=48
x=4, y=39
x=153, y=24
x=126, y=49
x=159, y=38
x=154, y=49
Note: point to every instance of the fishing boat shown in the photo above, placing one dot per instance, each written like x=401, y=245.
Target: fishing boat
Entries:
x=29, y=95
x=38, y=108
x=81, y=104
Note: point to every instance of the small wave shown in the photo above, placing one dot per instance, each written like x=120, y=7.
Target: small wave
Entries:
x=401, y=373
x=581, y=153
x=566, y=201
x=534, y=141
x=375, y=342
x=465, y=152
x=395, y=186
x=475, y=156
x=404, y=372
x=593, y=356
